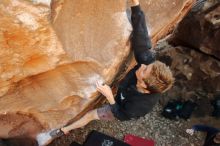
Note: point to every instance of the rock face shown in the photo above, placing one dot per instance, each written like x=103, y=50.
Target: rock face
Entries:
x=28, y=45
x=96, y=32
x=201, y=29
x=162, y=16
x=194, y=56
x=197, y=76
x=49, y=67
x=195, y=72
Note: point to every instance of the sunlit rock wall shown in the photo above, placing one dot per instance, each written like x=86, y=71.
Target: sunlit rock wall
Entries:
x=28, y=44
x=51, y=58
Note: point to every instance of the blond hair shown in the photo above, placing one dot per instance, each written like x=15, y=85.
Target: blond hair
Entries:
x=161, y=78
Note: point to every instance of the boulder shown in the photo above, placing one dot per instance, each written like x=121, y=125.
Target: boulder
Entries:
x=51, y=58
x=163, y=15
x=197, y=75
x=28, y=44
x=200, y=29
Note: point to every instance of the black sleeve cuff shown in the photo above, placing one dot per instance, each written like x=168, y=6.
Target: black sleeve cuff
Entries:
x=136, y=9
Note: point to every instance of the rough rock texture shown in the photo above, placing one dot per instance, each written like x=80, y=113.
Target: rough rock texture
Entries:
x=197, y=67
x=28, y=46
x=163, y=15
x=197, y=75
x=95, y=32
x=28, y=43
x=45, y=84
x=203, y=25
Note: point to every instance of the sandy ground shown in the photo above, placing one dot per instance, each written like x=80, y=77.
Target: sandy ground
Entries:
x=153, y=126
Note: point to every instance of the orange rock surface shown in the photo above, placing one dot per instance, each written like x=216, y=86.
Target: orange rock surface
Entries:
x=51, y=59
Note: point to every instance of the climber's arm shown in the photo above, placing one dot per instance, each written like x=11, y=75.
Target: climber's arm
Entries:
x=135, y=2
x=141, y=42
x=107, y=92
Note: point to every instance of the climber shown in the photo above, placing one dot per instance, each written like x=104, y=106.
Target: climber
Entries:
x=212, y=137
x=138, y=92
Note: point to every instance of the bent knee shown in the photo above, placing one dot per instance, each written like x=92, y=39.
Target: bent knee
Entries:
x=93, y=114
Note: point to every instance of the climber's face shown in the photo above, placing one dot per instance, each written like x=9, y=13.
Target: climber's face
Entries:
x=143, y=72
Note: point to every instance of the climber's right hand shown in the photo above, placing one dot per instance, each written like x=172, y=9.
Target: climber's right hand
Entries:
x=135, y=2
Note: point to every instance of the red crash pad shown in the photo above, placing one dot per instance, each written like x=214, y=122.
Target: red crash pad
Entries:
x=137, y=141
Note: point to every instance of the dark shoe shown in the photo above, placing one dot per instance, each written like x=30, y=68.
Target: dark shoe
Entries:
x=56, y=133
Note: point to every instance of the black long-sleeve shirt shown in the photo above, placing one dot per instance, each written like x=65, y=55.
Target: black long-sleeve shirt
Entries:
x=211, y=133
x=129, y=102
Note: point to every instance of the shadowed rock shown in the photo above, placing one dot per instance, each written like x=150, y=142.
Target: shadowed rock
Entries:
x=203, y=25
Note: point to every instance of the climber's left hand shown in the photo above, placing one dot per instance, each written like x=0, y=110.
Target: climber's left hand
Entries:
x=106, y=91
